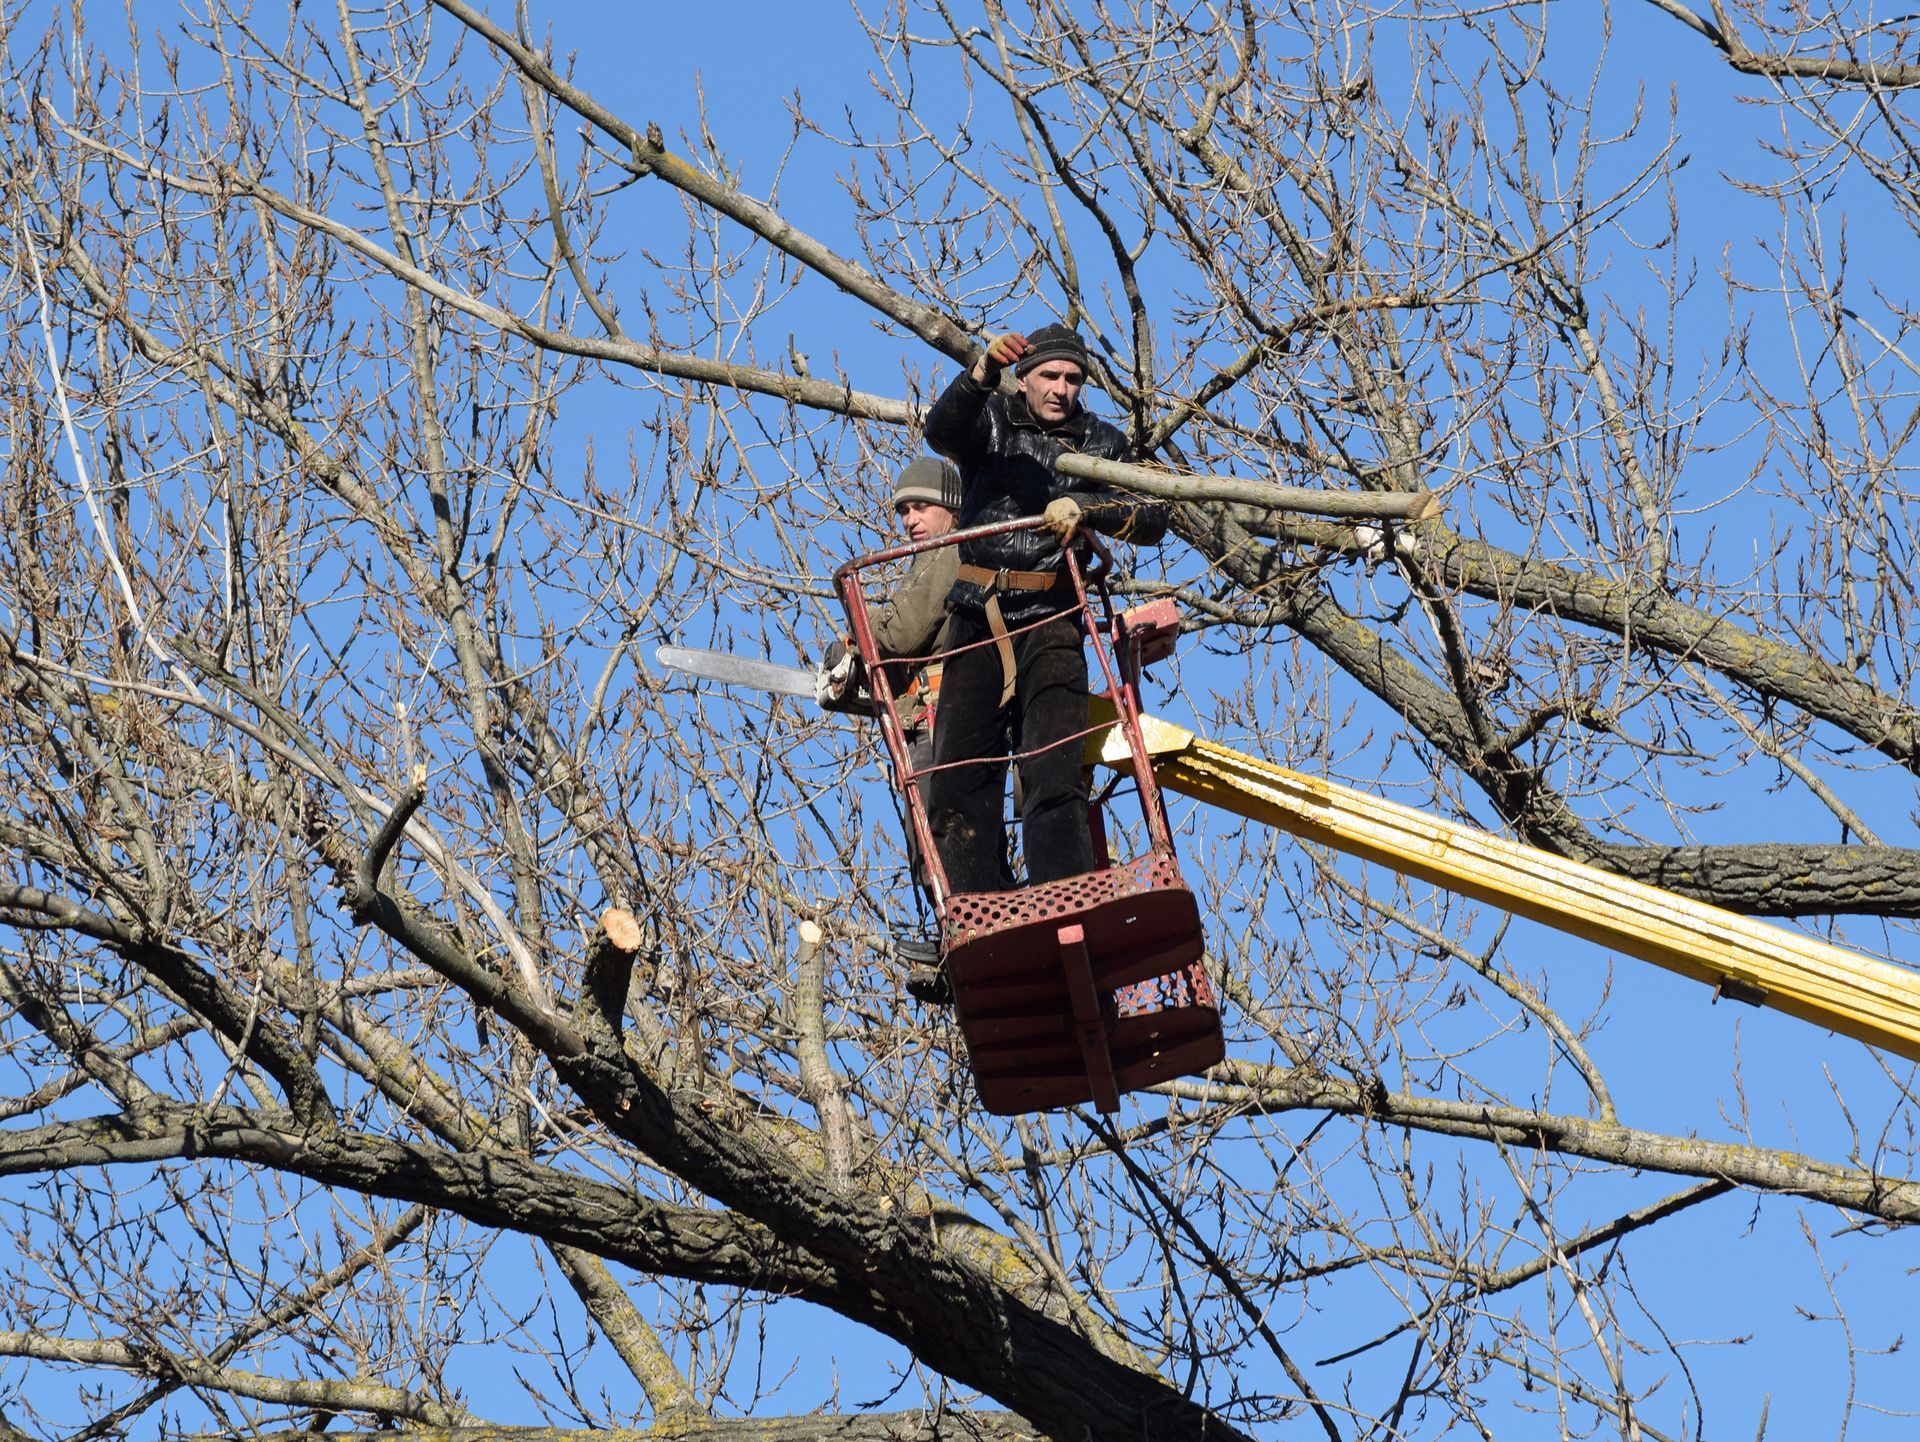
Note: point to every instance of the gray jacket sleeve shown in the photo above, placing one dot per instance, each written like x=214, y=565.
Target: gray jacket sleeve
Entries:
x=910, y=621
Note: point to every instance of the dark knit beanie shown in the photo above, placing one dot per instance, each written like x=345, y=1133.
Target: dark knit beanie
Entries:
x=1053, y=343
x=930, y=481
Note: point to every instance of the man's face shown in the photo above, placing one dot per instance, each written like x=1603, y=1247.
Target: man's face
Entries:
x=1052, y=391
x=922, y=520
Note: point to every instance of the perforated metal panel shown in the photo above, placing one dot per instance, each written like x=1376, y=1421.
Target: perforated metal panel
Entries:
x=1188, y=987
x=1141, y=921
x=1128, y=938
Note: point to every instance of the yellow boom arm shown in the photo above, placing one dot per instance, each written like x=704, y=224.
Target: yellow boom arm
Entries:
x=1745, y=959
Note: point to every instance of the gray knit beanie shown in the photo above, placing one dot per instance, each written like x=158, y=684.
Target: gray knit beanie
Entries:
x=929, y=480
x=1052, y=343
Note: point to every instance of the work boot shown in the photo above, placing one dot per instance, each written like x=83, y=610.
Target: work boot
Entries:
x=926, y=977
x=929, y=985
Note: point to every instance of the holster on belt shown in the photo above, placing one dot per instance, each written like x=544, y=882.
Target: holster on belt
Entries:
x=921, y=697
x=993, y=583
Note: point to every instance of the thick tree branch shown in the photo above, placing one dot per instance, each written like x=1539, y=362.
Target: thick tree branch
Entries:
x=942, y=1426
x=1653, y=619
x=1834, y=69
x=651, y=157
x=1761, y=1169
x=1758, y=878
x=494, y=1188
x=892, y=1277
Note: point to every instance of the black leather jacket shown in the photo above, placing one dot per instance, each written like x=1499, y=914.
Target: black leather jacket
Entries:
x=1006, y=463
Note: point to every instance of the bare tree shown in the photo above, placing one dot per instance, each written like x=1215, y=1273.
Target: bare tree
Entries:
x=422, y=1015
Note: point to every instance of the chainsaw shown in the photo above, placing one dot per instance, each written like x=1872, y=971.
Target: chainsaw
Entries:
x=844, y=693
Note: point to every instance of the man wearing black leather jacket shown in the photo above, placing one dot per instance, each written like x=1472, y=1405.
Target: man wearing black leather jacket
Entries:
x=1022, y=679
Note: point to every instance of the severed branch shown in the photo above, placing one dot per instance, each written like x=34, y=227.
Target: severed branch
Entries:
x=1175, y=486
x=805, y=1013
x=600, y=1009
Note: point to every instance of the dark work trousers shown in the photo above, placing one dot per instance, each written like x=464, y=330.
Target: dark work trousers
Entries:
x=964, y=804
x=919, y=757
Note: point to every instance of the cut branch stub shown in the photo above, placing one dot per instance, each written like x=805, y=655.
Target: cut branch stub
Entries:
x=601, y=1007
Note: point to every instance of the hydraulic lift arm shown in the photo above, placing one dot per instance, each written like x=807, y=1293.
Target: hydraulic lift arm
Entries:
x=1743, y=959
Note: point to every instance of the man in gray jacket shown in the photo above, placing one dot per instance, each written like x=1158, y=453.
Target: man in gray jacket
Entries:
x=925, y=496
x=908, y=625
x=909, y=622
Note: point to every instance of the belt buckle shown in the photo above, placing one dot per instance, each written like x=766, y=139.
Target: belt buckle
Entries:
x=1002, y=579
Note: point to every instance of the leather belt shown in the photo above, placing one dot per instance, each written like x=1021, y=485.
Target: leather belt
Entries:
x=994, y=583
x=1004, y=580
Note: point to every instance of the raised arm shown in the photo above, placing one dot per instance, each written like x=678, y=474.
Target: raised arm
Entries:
x=956, y=423
x=955, y=427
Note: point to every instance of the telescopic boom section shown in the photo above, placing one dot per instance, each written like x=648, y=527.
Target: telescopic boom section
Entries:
x=1742, y=959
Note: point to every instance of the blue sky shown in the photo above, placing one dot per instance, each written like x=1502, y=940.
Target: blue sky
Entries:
x=1729, y=1267
x=1667, y=1048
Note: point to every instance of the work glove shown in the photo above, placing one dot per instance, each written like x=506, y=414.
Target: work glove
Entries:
x=830, y=682
x=1062, y=516
x=1002, y=351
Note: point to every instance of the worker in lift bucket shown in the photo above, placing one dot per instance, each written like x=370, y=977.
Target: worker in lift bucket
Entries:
x=1015, y=689
x=908, y=625
x=925, y=497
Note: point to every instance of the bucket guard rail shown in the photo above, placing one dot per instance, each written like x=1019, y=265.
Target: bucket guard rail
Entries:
x=1086, y=988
